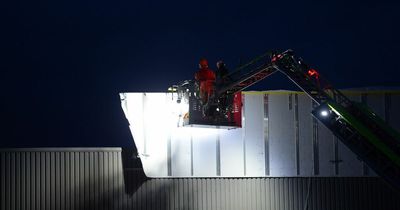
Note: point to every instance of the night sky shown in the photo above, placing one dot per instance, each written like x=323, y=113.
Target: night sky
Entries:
x=63, y=64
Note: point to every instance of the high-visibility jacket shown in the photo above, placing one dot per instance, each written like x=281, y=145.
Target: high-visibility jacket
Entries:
x=206, y=78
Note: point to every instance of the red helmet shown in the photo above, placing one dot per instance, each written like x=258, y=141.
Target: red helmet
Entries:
x=203, y=63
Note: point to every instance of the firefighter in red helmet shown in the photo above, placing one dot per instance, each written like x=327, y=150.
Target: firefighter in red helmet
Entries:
x=206, y=79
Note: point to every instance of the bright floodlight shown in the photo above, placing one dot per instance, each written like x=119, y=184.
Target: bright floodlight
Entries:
x=324, y=113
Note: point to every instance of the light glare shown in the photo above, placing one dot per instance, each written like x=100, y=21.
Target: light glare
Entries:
x=324, y=113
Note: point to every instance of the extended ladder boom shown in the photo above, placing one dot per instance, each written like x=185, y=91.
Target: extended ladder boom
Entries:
x=366, y=134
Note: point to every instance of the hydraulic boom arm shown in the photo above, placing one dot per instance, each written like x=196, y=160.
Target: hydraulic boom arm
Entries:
x=363, y=131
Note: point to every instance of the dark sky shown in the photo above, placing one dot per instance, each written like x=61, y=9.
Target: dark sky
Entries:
x=63, y=64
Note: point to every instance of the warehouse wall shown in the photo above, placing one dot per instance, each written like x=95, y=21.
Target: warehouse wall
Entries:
x=279, y=137
x=102, y=178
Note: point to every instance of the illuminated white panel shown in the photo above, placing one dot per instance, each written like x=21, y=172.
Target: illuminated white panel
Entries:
x=204, y=151
x=281, y=140
x=231, y=144
x=180, y=152
x=156, y=128
x=133, y=107
x=254, y=134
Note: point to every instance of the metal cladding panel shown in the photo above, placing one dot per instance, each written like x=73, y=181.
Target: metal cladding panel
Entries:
x=133, y=106
x=231, y=147
x=55, y=178
x=155, y=141
x=279, y=137
x=254, y=135
x=324, y=143
x=180, y=155
x=95, y=178
x=204, y=151
x=305, y=163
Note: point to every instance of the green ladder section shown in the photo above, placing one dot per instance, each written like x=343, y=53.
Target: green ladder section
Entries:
x=357, y=126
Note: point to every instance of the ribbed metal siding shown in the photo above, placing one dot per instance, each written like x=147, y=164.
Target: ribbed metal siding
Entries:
x=94, y=179
x=61, y=179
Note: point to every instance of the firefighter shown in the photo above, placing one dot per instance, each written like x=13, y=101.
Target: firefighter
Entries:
x=222, y=79
x=221, y=73
x=206, y=79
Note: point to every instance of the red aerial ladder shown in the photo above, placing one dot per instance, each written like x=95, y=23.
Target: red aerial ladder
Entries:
x=359, y=128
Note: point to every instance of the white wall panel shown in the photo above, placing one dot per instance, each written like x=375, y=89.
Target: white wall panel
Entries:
x=133, y=106
x=204, y=151
x=157, y=132
x=325, y=151
x=231, y=144
x=181, y=152
x=254, y=134
x=281, y=139
x=305, y=136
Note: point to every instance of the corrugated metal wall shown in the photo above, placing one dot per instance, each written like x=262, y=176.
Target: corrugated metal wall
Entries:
x=94, y=178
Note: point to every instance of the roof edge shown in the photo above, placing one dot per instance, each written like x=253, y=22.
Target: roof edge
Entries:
x=63, y=149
